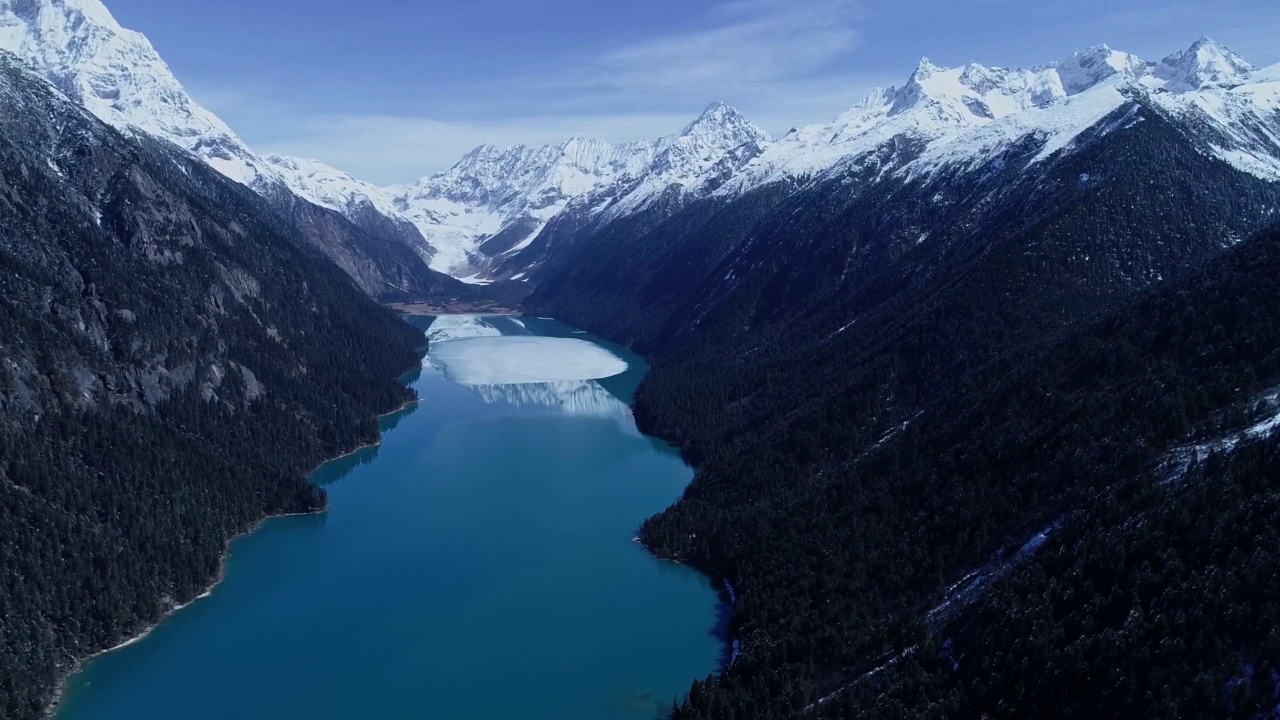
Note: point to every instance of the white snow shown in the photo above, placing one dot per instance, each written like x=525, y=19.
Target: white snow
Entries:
x=941, y=118
x=968, y=116
x=119, y=77
x=492, y=190
x=516, y=359
x=457, y=327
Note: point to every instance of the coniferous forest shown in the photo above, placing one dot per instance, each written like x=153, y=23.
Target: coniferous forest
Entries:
x=172, y=367
x=1082, y=529
x=1005, y=473
x=991, y=441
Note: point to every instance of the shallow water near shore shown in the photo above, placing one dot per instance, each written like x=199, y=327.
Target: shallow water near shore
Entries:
x=476, y=564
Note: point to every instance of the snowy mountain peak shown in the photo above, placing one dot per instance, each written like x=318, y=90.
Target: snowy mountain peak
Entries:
x=1205, y=64
x=924, y=70
x=878, y=97
x=727, y=123
x=717, y=107
x=970, y=116
x=118, y=76
x=1085, y=68
x=974, y=93
x=327, y=186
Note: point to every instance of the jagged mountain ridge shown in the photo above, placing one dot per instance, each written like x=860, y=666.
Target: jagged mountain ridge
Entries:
x=485, y=217
x=967, y=115
x=118, y=76
x=494, y=204
x=495, y=201
x=939, y=120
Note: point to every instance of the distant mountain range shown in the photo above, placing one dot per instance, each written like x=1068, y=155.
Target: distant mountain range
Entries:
x=479, y=219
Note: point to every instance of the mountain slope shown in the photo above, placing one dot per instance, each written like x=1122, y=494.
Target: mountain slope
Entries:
x=898, y=363
x=493, y=202
x=174, y=359
x=1031, y=543
x=116, y=73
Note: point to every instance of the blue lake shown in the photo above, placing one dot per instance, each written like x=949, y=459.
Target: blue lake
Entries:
x=477, y=564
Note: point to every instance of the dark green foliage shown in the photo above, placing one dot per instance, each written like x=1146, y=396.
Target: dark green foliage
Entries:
x=174, y=360
x=876, y=416
x=836, y=573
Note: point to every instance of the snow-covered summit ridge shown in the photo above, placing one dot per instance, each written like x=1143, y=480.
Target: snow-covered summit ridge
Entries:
x=518, y=190
x=494, y=202
x=1204, y=64
x=327, y=186
x=969, y=114
x=119, y=77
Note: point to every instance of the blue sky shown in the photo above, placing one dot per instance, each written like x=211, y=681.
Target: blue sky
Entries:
x=391, y=90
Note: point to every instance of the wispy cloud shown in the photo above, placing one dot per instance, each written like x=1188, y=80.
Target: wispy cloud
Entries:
x=781, y=62
x=751, y=53
x=747, y=46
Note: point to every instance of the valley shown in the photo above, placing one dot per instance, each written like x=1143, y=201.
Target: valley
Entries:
x=485, y=541
x=965, y=397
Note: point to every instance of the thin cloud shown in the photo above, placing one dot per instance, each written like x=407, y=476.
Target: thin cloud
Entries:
x=748, y=47
x=782, y=63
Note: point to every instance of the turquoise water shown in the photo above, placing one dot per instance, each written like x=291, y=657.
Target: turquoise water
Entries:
x=477, y=564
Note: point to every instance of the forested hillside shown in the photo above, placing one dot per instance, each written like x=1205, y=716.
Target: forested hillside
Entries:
x=887, y=391
x=1076, y=450
x=174, y=360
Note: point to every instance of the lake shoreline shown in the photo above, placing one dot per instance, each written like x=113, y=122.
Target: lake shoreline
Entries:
x=728, y=598
x=717, y=646
x=56, y=701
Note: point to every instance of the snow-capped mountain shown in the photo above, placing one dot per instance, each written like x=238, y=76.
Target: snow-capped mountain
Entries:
x=492, y=191
x=967, y=119
x=495, y=202
x=969, y=115
x=478, y=219
x=118, y=76
x=327, y=186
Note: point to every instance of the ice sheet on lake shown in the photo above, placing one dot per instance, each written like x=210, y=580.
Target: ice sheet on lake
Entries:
x=518, y=359
x=456, y=327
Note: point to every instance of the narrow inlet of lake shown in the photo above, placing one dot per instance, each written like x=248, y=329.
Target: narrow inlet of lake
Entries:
x=476, y=565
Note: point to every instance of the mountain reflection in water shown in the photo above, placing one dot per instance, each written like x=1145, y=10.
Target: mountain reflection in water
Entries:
x=571, y=397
